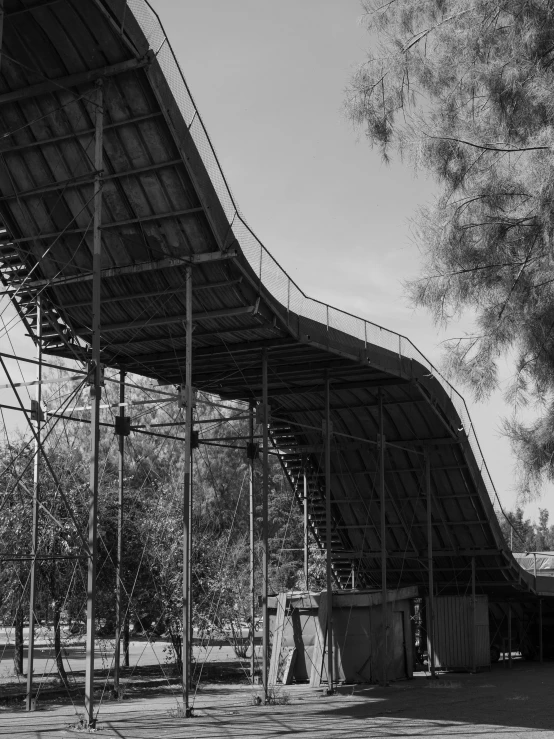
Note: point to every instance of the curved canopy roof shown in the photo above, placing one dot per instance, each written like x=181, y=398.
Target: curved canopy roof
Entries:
x=166, y=205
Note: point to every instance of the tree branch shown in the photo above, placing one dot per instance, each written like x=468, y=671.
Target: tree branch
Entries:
x=488, y=147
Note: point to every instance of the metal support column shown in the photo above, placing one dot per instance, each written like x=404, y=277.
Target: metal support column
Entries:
x=265, y=552
x=510, y=635
x=119, y=559
x=306, y=540
x=329, y=540
x=95, y=393
x=540, y=631
x=431, y=597
x=187, y=496
x=191, y=503
x=1, y=29
x=252, y=544
x=384, y=609
x=30, y=703
x=473, y=619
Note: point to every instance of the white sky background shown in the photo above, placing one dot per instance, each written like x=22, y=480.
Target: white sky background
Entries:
x=269, y=78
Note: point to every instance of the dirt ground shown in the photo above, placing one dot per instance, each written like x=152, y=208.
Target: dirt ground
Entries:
x=502, y=703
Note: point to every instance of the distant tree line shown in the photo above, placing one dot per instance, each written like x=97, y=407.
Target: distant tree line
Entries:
x=525, y=536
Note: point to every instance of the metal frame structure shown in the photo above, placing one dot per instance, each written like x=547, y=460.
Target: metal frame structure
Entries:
x=141, y=261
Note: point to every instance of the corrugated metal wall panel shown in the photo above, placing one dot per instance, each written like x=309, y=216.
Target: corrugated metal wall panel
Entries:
x=454, y=637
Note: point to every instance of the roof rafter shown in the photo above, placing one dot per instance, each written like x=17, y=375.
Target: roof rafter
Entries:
x=74, y=80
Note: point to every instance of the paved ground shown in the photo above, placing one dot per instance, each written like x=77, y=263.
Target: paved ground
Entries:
x=503, y=704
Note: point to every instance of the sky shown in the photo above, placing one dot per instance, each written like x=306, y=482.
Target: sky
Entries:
x=269, y=80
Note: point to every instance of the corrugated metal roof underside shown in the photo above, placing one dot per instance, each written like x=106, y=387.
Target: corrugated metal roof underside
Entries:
x=159, y=209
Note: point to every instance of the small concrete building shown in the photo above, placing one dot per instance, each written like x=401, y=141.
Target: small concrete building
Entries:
x=298, y=628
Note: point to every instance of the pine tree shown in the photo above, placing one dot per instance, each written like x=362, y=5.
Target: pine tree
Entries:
x=465, y=90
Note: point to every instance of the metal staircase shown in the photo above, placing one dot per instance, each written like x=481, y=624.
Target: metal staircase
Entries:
x=55, y=334
x=295, y=464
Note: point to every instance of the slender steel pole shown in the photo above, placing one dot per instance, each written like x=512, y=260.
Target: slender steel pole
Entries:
x=1, y=29
x=510, y=636
x=191, y=488
x=30, y=703
x=329, y=541
x=119, y=559
x=431, y=597
x=473, y=619
x=265, y=545
x=252, y=545
x=384, y=617
x=95, y=393
x=306, y=540
x=187, y=496
x=540, y=631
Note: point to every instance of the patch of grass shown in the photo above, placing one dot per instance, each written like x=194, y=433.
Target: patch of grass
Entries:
x=119, y=694
x=277, y=697
x=180, y=712
x=81, y=725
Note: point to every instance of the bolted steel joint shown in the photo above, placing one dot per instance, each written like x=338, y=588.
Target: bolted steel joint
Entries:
x=183, y=394
x=263, y=414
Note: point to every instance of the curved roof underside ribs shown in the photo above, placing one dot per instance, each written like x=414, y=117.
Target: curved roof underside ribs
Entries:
x=165, y=206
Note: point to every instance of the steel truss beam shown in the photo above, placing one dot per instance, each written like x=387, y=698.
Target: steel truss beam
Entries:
x=74, y=80
x=135, y=269
x=41, y=558
x=87, y=132
x=37, y=6
x=361, y=407
x=164, y=357
x=165, y=320
x=168, y=291
x=282, y=372
x=437, y=553
x=105, y=226
x=418, y=524
x=318, y=388
x=88, y=179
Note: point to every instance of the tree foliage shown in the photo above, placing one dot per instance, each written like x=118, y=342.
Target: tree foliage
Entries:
x=152, y=522
x=526, y=536
x=464, y=90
